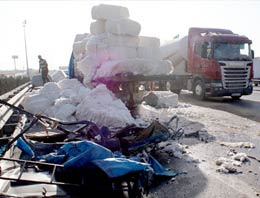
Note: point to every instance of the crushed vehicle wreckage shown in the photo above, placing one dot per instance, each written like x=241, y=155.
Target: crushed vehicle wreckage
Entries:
x=81, y=155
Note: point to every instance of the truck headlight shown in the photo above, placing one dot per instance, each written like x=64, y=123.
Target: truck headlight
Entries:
x=216, y=84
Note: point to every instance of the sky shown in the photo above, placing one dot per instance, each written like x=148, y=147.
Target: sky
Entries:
x=52, y=25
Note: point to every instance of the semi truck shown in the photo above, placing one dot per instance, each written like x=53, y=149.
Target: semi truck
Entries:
x=219, y=62
x=209, y=62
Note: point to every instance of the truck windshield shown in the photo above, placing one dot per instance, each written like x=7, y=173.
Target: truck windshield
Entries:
x=232, y=51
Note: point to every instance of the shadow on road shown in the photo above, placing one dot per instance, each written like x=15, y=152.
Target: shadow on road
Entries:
x=244, y=107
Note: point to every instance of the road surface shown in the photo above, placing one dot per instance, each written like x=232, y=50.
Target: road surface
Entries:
x=247, y=106
x=224, y=120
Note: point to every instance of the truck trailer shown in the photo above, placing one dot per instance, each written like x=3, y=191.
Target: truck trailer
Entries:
x=256, y=64
x=219, y=62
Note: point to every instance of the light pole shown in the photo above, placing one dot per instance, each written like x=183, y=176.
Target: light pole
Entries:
x=27, y=67
x=14, y=57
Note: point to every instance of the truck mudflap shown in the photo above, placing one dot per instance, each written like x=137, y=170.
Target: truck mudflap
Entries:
x=218, y=91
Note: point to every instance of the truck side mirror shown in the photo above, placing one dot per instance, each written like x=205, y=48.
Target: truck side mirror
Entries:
x=253, y=54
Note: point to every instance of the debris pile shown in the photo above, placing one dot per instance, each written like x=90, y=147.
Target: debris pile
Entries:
x=69, y=100
x=114, y=47
x=228, y=165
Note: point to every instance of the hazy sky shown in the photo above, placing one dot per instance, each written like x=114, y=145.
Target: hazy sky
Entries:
x=52, y=25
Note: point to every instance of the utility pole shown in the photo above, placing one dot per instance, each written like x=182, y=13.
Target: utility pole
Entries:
x=14, y=57
x=25, y=45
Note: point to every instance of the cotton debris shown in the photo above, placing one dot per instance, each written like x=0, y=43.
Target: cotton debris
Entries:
x=69, y=100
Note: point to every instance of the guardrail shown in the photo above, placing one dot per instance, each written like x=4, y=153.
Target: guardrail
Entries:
x=13, y=97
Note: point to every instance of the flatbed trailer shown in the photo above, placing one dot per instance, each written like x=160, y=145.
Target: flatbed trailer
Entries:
x=129, y=86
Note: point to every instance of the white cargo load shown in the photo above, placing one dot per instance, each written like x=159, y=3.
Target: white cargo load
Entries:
x=146, y=41
x=97, y=27
x=118, y=53
x=149, y=53
x=123, y=27
x=104, y=11
x=134, y=66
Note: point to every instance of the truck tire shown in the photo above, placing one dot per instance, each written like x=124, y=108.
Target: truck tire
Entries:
x=199, y=90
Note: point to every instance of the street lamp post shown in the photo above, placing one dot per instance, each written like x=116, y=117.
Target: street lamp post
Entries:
x=25, y=45
x=14, y=57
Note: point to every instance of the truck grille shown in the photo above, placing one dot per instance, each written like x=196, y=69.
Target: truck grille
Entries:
x=235, y=77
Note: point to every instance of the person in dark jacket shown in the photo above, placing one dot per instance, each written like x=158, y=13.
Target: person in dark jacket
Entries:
x=43, y=68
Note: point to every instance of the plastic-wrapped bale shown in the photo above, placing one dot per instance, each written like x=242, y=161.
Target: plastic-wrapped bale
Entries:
x=161, y=99
x=117, y=53
x=123, y=27
x=150, y=42
x=80, y=37
x=51, y=91
x=167, y=99
x=105, y=109
x=58, y=76
x=104, y=11
x=105, y=40
x=69, y=84
x=149, y=53
x=64, y=112
x=88, y=66
x=36, y=103
x=97, y=27
x=134, y=66
x=79, y=48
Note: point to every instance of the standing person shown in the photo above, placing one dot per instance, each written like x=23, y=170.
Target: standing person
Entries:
x=43, y=68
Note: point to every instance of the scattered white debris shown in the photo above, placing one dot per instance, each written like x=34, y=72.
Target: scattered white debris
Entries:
x=226, y=168
x=172, y=148
x=238, y=144
x=242, y=157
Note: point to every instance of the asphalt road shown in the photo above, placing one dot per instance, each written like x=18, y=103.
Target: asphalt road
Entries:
x=247, y=106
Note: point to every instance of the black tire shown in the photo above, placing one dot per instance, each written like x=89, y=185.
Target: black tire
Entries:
x=256, y=84
x=235, y=97
x=199, y=90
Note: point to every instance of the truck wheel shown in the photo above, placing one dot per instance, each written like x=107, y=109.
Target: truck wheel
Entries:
x=256, y=84
x=235, y=97
x=199, y=90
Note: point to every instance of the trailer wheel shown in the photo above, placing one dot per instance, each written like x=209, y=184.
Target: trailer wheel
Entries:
x=256, y=84
x=199, y=90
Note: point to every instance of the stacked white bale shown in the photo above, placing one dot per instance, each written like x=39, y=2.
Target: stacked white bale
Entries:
x=105, y=12
x=123, y=27
x=115, y=43
x=97, y=27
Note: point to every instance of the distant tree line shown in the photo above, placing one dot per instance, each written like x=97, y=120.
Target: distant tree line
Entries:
x=10, y=83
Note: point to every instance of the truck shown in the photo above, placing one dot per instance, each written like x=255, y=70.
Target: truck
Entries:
x=219, y=62
x=209, y=62
x=256, y=66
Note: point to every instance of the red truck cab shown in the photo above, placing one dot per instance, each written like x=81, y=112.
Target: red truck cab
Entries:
x=220, y=63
